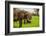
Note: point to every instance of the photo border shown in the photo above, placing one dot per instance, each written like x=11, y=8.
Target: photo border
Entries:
x=7, y=17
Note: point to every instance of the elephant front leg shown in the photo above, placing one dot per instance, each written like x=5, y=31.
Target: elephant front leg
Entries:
x=25, y=21
x=28, y=21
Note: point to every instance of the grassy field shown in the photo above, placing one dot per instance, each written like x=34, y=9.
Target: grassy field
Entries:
x=34, y=23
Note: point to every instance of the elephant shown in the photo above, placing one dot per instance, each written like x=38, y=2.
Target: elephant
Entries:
x=23, y=15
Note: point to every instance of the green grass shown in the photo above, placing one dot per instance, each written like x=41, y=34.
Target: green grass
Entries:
x=34, y=23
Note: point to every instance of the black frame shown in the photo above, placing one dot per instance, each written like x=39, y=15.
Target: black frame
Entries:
x=7, y=17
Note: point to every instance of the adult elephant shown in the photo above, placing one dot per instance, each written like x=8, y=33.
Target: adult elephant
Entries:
x=23, y=15
x=19, y=16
